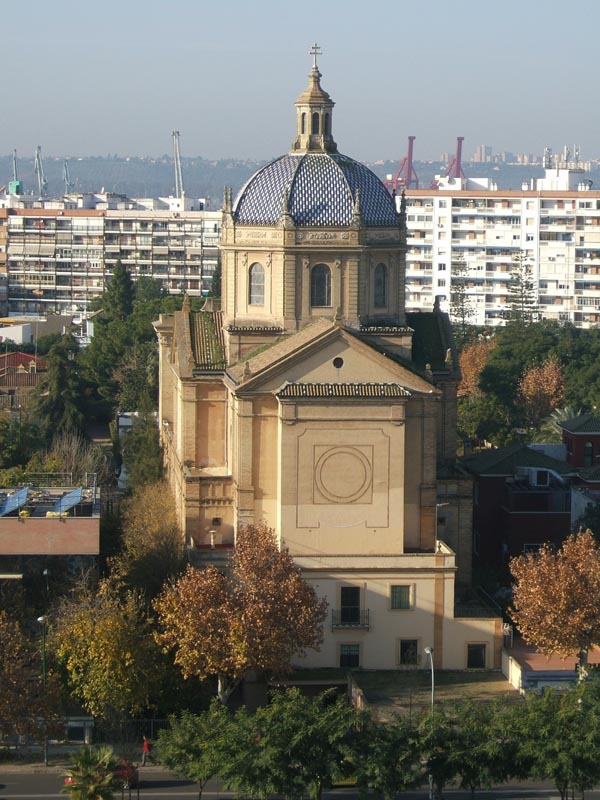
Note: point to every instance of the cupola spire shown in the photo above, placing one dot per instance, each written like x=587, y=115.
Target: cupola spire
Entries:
x=314, y=111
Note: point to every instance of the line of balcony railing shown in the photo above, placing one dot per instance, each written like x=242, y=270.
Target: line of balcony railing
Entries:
x=350, y=617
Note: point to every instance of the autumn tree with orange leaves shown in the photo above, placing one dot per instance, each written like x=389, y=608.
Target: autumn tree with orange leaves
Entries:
x=473, y=359
x=556, y=600
x=541, y=390
x=257, y=617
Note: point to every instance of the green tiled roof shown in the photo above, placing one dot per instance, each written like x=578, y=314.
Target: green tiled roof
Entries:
x=505, y=460
x=590, y=474
x=207, y=340
x=585, y=423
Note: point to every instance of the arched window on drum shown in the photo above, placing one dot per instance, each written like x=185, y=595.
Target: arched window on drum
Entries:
x=320, y=286
x=256, y=283
x=380, y=286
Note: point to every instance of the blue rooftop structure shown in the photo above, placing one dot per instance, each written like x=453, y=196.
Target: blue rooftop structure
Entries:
x=318, y=189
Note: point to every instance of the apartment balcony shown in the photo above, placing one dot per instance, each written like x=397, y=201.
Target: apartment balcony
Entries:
x=349, y=617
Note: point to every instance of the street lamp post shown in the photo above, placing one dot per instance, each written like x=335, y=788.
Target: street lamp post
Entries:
x=429, y=652
x=42, y=621
x=19, y=441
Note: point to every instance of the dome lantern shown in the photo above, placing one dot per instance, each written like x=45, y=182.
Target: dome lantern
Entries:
x=314, y=112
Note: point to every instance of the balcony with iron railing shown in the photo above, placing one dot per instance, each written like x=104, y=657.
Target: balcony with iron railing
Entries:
x=349, y=617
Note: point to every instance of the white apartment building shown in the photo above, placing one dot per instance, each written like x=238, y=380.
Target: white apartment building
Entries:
x=55, y=255
x=554, y=221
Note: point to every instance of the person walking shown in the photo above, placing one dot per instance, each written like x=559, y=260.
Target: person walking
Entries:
x=146, y=748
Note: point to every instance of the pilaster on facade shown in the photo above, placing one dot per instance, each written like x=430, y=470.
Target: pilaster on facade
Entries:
x=289, y=290
x=351, y=311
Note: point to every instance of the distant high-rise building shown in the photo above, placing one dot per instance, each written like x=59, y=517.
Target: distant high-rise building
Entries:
x=482, y=155
x=554, y=221
x=55, y=255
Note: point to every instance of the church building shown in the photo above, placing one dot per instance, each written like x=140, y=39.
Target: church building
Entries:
x=311, y=400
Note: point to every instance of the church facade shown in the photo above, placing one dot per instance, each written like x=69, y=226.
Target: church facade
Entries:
x=309, y=399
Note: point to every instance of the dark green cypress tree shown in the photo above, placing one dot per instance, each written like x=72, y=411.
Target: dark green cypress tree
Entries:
x=117, y=300
x=58, y=400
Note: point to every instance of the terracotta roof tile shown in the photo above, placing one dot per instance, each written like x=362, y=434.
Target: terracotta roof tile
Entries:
x=343, y=390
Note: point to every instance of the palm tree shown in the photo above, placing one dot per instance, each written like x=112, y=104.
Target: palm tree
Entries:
x=549, y=430
x=92, y=774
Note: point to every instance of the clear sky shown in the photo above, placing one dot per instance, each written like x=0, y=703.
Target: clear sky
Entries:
x=117, y=76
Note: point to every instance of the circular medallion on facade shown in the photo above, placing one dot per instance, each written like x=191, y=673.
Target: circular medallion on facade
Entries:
x=343, y=474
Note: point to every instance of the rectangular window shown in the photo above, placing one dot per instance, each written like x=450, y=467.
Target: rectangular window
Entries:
x=349, y=655
x=409, y=652
x=350, y=605
x=400, y=597
x=531, y=548
x=476, y=656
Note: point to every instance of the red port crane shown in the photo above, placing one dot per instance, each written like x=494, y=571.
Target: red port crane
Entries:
x=406, y=176
x=454, y=168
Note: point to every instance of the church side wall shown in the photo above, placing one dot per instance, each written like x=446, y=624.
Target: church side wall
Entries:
x=211, y=424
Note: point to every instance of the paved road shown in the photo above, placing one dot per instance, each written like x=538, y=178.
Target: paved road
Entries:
x=39, y=783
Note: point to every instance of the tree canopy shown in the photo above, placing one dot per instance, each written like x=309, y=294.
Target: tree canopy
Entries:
x=59, y=397
x=256, y=618
x=152, y=544
x=522, y=373
x=30, y=702
x=105, y=645
x=556, y=598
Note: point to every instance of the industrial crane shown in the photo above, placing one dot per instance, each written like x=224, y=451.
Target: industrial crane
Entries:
x=454, y=168
x=38, y=169
x=179, y=191
x=67, y=177
x=15, y=187
x=406, y=176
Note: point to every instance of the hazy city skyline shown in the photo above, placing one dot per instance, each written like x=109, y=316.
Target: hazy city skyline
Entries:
x=117, y=78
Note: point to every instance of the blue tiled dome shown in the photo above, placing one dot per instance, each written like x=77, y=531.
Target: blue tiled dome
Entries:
x=321, y=190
